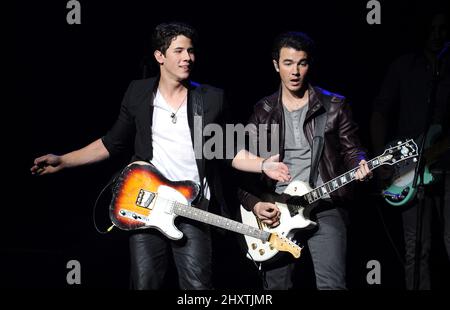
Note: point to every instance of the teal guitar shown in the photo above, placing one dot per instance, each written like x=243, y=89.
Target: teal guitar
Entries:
x=400, y=191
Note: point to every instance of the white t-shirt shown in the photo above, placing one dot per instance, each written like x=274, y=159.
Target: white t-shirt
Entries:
x=173, y=153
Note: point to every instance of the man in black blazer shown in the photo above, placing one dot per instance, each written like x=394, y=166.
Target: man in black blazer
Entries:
x=164, y=116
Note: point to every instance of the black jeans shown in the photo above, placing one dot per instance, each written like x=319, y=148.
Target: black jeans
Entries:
x=437, y=198
x=409, y=218
x=328, y=246
x=150, y=260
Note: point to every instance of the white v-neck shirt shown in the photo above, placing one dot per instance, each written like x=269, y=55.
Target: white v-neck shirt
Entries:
x=173, y=153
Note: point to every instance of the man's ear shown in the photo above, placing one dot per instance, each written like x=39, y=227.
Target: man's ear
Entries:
x=159, y=57
x=275, y=64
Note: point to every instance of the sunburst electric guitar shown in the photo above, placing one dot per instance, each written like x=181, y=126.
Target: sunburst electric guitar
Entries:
x=144, y=198
x=299, y=199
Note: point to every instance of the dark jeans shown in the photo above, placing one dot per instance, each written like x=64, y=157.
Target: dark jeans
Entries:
x=446, y=214
x=435, y=199
x=409, y=218
x=150, y=257
x=328, y=246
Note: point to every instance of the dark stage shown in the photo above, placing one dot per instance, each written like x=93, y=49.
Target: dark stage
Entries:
x=70, y=80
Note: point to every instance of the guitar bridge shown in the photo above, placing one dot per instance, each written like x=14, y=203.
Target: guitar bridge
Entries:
x=144, y=199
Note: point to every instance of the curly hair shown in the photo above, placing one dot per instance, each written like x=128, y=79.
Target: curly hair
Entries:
x=164, y=34
x=296, y=40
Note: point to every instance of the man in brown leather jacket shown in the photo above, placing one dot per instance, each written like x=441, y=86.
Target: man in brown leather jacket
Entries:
x=295, y=109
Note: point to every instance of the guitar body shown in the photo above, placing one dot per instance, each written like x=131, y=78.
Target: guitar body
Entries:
x=401, y=191
x=143, y=198
x=299, y=199
x=259, y=250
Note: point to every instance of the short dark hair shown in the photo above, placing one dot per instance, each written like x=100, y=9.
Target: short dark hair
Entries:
x=297, y=40
x=164, y=34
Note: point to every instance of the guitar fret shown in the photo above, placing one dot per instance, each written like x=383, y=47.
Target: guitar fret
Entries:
x=335, y=184
x=338, y=182
x=352, y=174
x=328, y=186
x=216, y=220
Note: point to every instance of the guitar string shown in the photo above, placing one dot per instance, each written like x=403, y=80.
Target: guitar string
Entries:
x=243, y=227
x=348, y=172
x=340, y=176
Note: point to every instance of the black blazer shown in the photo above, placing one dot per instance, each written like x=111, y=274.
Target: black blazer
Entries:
x=134, y=124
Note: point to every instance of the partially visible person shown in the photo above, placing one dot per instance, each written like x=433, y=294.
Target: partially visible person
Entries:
x=400, y=110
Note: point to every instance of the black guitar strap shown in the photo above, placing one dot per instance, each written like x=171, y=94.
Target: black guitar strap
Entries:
x=198, y=110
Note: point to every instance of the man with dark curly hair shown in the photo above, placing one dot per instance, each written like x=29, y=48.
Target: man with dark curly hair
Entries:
x=157, y=117
x=314, y=154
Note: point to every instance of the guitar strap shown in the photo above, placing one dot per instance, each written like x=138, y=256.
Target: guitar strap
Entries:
x=318, y=143
x=197, y=110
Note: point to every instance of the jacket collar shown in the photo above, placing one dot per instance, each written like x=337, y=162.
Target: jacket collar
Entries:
x=314, y=102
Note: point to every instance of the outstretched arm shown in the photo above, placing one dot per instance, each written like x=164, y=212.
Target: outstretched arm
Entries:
x=246, y=161
x=50, y=163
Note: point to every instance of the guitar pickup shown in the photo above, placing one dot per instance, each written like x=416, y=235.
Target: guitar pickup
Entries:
x=144, y=199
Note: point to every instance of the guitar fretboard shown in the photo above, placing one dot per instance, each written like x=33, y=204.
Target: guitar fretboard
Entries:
x=219, y=221
x=338, y=182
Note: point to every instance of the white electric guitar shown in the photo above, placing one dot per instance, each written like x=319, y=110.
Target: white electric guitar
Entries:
x=299, y=199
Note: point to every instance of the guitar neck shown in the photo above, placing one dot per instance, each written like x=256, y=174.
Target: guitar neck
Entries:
x=219, y=221
x=338, y=182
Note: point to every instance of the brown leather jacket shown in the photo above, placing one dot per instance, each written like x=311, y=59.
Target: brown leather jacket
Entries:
x=342, y=149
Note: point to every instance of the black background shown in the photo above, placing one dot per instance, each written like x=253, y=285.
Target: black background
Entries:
x=69, y=82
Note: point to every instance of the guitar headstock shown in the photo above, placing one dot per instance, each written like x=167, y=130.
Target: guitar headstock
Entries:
x=285, y=245
x=399, y=152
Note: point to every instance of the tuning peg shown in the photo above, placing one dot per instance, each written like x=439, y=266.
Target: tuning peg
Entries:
x=415, y=159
